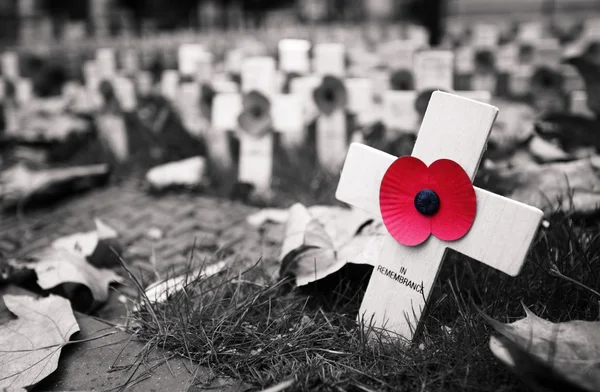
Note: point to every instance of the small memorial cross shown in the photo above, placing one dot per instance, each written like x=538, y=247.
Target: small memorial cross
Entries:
x=428, y=204
x=331, y=98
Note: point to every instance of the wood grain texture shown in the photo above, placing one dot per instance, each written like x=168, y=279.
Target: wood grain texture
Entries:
x=500, y=237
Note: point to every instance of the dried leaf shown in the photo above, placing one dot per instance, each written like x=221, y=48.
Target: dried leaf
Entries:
x=85, y=244
x=20, y=183
x=535, y=373
x=55, y=266
x=160, y=291
x=319, y=257
x=339, y=223
x=188, y=172
x=32, y=343
x=570, y=186
x=590, y=72
x=571, y=350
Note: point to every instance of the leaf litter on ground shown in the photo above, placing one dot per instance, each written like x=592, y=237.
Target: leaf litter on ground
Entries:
x=31, y=344
x=57, y=266
x=100, y=247
x=570, y=351
x=319, y=240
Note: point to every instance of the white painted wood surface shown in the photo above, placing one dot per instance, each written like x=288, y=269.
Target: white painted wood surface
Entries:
x=399, y=111
x=434, y=69
x=304, y=87
x=293, y=56
x=204, y=67
x=144, y=83
x=520, y=77
x=9, y=63
x=485, y=35
x=256, y=161
x=187, y=58
x=169, y=84
x=398, y=54
x=258, y=73
x=360, y=97
x=125, y=93
x=23, y=91
x=329, y=59
x=288, y=119
x=107, y=63
x=455, y=128
x=464, y=60
x=484, y=82
x=332, y=140
x=187, y=103
x=130, y=61
x=225, y=111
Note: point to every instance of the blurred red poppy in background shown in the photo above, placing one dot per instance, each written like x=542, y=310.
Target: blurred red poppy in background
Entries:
x=255, y=118
x=331, y=95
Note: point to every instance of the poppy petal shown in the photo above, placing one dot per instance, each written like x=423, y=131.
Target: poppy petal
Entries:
x=458, y=203
x=401, y=182
x=331, y=95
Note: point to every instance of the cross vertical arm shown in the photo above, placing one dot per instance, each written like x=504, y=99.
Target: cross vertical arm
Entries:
x=455, y=128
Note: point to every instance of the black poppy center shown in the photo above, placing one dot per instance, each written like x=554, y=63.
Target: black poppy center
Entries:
x=256, y=111
x=427, y=202
x=329, y=95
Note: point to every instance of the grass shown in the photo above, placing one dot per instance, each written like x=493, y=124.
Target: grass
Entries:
x=266, y=333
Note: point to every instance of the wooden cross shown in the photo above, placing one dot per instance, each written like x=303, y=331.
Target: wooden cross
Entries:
x=454, y=128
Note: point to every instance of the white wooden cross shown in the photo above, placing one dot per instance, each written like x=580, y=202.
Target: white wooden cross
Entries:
x=432, y=69
x=256, y=153
x=169, y=84
x=9, y=64
x=503, y=230
x=331, y=135
x=293, y=56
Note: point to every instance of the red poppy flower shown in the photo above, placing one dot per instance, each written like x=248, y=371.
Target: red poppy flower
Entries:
x=255, y=118
x=331, y=95
x=417, y=200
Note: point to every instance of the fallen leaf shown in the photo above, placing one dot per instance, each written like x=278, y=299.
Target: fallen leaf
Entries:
x=534, y=372
x=590, y=72
x=56, y=266
x=160, y=291
x=188, y=172
x=570, y=350
x=513, y=126
x=274, y=215
x=570, y=186
x=340, y=223
x=96, y=246
x=318, y=256
x=20, y=183
x=544, y=151
x=32, y=343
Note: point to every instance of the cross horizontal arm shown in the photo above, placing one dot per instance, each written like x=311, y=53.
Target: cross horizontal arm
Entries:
x=361, y=177
x=500, y=235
